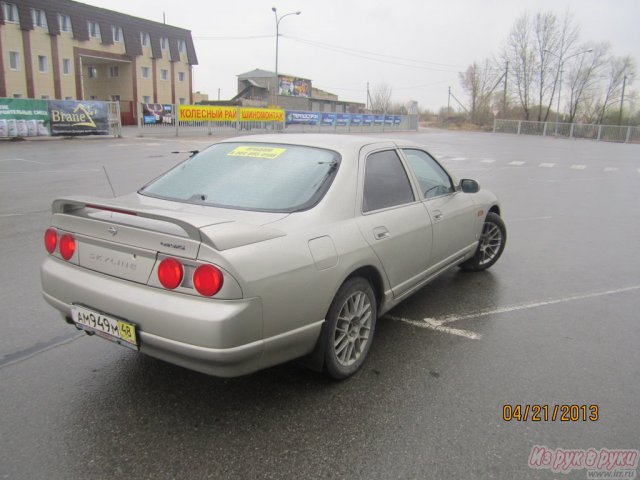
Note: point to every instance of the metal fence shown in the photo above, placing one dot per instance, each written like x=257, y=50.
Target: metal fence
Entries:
x=115, y=122
x=172, y=126
x=605, y=133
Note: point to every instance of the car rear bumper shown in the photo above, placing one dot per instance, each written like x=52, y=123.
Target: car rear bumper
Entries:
x=217, y=337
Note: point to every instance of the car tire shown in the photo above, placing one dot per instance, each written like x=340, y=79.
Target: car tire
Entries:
x=491, y=244
x=349, y=328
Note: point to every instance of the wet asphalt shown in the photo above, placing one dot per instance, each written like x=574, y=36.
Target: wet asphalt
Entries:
x=554, y=322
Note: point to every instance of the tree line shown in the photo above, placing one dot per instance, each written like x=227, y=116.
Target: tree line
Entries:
x=543, y=71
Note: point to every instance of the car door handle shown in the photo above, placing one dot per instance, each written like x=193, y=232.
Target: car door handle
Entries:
x=437, y=215
x=380, y=232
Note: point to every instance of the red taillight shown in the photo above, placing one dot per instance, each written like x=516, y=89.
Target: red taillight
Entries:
x=207, y=280
x=170, y=273
x=67, y=246
x=50, y=240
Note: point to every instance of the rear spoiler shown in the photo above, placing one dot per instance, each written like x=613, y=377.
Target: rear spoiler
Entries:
x=189, y=222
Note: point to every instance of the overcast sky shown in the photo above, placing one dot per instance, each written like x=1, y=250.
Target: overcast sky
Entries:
x=444, y=36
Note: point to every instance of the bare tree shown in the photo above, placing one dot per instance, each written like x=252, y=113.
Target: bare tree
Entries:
x=583, y=76
x=618, y=69
x=519, y=52
x=479, y=82
x=555, y=38
x=381, y=98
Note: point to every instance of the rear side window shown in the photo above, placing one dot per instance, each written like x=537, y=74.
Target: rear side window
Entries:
x=385, y=182
x=250, y=176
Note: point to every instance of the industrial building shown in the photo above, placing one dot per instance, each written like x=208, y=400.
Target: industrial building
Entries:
x=257, y=88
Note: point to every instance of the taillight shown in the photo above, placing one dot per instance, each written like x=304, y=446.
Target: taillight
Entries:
x=67, y=246
x=207, y=280
x=50, y=240
x=170, y=273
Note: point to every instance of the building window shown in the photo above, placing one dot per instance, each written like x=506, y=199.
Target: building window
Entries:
x=17, y=95
x=94, y=29
x=113, y=71
x=144, y=72
x=66, y=66
x=181, y=76
x=65, y=22
x=93, y=97
x=10, y=11
x=68, y=98
x=14, y=60
x=164, y=74
x=44, y=97
x=115, y=98
x=117, y=34
x=39, y=18
x=144, y=38
x=182, y=46
x=93, y=72
x=42, y=64
x=146, y=99
x=164, y=43
x=183, y=101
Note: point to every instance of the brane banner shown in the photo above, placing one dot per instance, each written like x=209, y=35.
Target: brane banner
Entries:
x=71, y=117
x=23, y=118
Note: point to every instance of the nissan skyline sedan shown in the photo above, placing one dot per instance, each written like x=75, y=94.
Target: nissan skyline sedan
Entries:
x=264, y=249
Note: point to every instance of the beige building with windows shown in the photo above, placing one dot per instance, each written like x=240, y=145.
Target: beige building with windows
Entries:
x=61, y=49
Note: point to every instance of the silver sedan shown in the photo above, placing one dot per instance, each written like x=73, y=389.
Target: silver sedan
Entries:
x=263, y=249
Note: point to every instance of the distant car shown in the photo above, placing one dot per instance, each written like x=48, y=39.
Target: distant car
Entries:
x=263, y=249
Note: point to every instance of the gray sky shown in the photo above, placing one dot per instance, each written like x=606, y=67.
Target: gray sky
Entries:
x=444, y=36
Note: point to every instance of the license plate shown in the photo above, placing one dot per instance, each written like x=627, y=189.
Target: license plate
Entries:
x=106, y=326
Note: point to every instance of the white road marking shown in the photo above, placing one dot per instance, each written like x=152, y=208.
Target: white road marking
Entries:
x=436, y=325
x=516, y=162
x=153, y=144
x=525, y=306
x=610, y=169
x=455, y=159
x=487, y=160
x=547, y=165
x=21, y=160
x=11, y=215
x=578, y=167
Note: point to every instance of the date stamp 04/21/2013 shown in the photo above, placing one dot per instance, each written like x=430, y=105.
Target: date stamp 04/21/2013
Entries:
x=550, y=413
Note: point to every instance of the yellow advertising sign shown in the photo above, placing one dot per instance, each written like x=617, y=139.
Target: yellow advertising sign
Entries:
x=206, y=113
x=261, y=115
x=269, y=153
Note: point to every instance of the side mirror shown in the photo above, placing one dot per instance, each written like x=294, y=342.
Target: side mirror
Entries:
x=469, y=186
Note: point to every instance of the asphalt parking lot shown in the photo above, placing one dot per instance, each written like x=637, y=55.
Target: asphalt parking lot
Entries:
x=554, y=322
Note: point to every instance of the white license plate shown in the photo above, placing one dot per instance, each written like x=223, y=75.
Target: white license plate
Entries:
x=106, y=326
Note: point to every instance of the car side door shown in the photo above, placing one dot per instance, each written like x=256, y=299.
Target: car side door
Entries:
x=392, y=219
x=452, y=211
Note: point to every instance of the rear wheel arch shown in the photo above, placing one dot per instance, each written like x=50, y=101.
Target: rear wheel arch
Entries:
x=373, y=276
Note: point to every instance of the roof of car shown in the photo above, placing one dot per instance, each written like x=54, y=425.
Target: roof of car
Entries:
x=320, y=140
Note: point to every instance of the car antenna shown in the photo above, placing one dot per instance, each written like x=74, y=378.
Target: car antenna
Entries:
x=109, y=180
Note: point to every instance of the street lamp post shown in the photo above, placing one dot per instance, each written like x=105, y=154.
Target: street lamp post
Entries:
x=278, y=20
x=562, y=61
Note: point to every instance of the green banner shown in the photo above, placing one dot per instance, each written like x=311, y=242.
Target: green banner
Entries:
x=21, y=117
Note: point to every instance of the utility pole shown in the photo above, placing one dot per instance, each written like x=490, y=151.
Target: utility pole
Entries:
x=449, y=102
x=504, y=95
x=624, y=84
x=218, y=94
x=368, y=97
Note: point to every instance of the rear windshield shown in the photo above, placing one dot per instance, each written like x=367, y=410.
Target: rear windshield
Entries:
x=250, y=176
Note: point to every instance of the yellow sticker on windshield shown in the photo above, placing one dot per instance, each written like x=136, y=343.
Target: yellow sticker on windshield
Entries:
x=257, y=152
